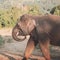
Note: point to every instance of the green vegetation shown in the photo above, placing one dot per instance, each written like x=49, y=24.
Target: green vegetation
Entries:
x=1, y=40
x=8, y=17
x=57, y=10
x=34, y=10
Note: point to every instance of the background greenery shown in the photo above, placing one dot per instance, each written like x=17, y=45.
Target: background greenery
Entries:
x=57, y=10
x=8, y=17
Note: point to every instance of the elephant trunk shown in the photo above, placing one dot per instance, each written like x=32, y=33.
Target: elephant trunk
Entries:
x=16, y=34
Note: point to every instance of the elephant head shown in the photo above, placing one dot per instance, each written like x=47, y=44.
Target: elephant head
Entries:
x=24, y=27
x=17, y=34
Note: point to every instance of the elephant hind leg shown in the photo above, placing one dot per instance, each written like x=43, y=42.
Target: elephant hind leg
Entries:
x=45, y=49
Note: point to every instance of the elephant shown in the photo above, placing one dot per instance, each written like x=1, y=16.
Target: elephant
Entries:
x=43, y=30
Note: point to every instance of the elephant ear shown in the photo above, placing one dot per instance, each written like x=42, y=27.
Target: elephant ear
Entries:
x=31, y=25
x=27, y=26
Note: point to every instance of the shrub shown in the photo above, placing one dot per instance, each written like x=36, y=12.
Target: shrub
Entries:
x=55, y=10
x=8, y=17
x=34, y=10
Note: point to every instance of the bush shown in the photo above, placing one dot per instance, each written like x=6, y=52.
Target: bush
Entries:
x=8, y=17
x=55, y=10
x=34, y=10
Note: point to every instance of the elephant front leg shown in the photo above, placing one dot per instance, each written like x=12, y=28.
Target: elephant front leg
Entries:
x=45, y=49
x=29, y=49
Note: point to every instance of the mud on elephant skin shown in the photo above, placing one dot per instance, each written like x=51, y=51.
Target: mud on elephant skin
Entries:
x=43, y=29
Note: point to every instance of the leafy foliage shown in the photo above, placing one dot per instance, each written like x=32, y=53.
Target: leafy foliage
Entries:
x=57, y=10
x=8, y=17
x=35, y=10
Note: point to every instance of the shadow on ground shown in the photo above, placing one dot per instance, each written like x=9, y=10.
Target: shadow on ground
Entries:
x=56, y=58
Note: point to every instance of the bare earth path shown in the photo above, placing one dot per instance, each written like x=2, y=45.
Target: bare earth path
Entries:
x=17, y=48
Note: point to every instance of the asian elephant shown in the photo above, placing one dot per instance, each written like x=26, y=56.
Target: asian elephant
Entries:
x=43, y=30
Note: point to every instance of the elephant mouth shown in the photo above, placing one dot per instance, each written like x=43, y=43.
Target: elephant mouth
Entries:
x=22, y=37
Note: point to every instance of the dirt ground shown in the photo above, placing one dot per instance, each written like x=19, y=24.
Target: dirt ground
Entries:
x=15, y=47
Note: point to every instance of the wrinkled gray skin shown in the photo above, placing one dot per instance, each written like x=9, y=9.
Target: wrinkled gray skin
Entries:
x=44, y=30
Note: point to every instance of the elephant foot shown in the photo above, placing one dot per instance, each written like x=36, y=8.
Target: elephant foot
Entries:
x=24, y=58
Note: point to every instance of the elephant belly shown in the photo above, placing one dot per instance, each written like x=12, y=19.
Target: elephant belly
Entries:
x=55, y=39
x=56, y=43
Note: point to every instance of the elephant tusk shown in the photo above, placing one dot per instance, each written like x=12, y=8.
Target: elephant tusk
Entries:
x=23, y=37
x=27, y=37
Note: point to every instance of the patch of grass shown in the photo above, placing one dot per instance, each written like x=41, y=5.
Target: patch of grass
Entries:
x=1, y=41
